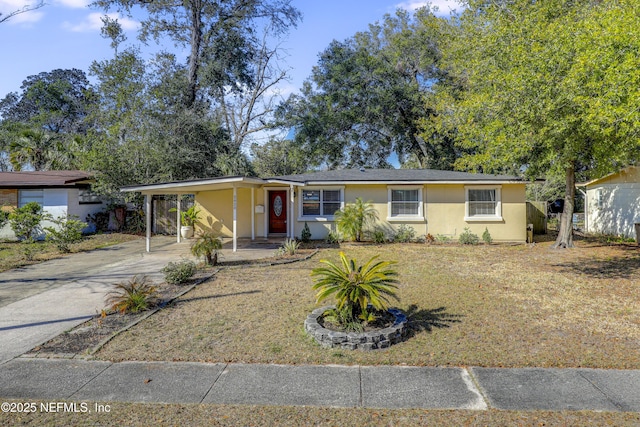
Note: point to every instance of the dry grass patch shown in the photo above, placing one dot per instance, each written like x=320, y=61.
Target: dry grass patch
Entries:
x=13, y=254
x=494, y=305
x=141, y=414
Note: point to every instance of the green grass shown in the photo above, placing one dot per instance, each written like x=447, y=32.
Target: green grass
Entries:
x=496, y=305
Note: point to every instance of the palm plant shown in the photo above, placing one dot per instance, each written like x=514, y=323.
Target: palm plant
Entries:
x=138, y=294
x=356, y=287
x=207, y=245
x=353, y=219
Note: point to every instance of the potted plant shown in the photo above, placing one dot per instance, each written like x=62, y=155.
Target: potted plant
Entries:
x=187, y=220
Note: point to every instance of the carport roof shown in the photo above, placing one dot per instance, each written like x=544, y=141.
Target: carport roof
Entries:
x=196, y=185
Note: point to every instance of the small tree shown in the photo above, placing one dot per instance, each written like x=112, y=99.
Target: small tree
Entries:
x=207, y=245
x=354, y=218
x=25, y=221
x=305, y=235
x=67, y=230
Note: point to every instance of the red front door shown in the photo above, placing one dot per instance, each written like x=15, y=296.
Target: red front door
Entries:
x=277, y=212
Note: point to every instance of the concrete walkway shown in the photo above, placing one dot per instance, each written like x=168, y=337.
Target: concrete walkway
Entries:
x=335, y=386
x=43, y=300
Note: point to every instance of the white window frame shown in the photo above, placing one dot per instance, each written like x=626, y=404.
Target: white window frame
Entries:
x=599, y=198
x=405, y=218
x=497, y=216
x=320, y=217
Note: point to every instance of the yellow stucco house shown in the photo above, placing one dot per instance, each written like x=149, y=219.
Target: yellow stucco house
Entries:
x=431, y=201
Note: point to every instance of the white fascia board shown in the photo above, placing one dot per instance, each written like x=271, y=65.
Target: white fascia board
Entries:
x=281, y=181
x=180, y=185
x=320, y=183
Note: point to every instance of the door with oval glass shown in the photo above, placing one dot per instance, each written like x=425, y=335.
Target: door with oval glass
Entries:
x=277, y=212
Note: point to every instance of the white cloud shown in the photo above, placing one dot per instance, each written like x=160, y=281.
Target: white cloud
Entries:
x=74, y=4
x=9, y=6
x=93, y=23
x=444, y=6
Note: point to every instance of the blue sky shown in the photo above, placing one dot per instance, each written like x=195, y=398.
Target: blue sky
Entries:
x=66, y=34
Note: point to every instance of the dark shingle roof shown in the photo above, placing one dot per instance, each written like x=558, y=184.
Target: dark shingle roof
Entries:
x=394, y=175
x=32, y=179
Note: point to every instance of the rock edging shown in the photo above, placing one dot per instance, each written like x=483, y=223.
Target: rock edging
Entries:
x=371, y=340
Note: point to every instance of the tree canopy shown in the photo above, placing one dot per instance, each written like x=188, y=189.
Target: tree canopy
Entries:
x=550, y=87
x=371, y=95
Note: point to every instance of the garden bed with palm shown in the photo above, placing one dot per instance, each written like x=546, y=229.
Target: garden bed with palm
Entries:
x=489, y=305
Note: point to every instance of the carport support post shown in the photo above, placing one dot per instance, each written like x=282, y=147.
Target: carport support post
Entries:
x=235, y=219
x=253, y=215
x=179, y=216
x=292, y=197
x=147, y=202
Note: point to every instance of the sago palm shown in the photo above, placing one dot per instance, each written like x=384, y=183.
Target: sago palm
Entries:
x=356, y=287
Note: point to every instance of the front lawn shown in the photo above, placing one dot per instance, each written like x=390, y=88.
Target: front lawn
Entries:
x=496, y=305
x=17, y=254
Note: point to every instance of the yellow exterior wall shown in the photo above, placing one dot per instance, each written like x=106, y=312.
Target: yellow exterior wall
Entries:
x=446, y=213
x=216, y=212
x=443, y=212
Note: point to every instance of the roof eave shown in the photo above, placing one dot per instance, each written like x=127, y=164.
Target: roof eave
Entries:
x=175, y=187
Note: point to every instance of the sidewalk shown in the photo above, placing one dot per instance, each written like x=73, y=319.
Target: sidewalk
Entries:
x=320, y=385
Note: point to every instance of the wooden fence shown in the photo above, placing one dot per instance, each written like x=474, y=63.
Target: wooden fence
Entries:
x=537, y=215
x=163, y=221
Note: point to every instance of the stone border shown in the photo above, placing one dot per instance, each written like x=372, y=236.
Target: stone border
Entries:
x=351, y=341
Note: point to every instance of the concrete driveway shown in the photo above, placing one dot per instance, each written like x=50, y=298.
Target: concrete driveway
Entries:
x=41, y=301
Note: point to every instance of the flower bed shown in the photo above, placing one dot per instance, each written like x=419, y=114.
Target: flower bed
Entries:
x=370, y=340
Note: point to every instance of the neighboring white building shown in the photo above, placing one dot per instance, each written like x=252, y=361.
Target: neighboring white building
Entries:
x=612, y=203
x=59, y=193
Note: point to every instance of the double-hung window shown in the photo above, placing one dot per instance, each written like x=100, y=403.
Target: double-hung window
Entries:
x=404, y=203
x=321, y=202
x=483, y=203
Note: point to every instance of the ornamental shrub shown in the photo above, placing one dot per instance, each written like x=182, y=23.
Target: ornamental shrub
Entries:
x=177, y=273
x=68, y=230
x=305, y=236
x=468, y=238
x=405, y=234
x=25, y=221
x=486, y=236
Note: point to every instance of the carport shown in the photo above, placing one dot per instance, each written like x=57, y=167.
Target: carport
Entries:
x=196, y=187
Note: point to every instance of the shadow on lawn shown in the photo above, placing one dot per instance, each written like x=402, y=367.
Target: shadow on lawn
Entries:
x=619, y=267
x=427, y=320
x=181, y=301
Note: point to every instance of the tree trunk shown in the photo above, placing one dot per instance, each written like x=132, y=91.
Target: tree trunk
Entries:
x=565, y=232
x=194, y=55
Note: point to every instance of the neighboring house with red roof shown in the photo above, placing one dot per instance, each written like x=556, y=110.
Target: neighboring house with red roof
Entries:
x=59, y=193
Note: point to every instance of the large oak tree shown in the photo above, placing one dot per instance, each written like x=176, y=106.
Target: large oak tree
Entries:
x=552, y=87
